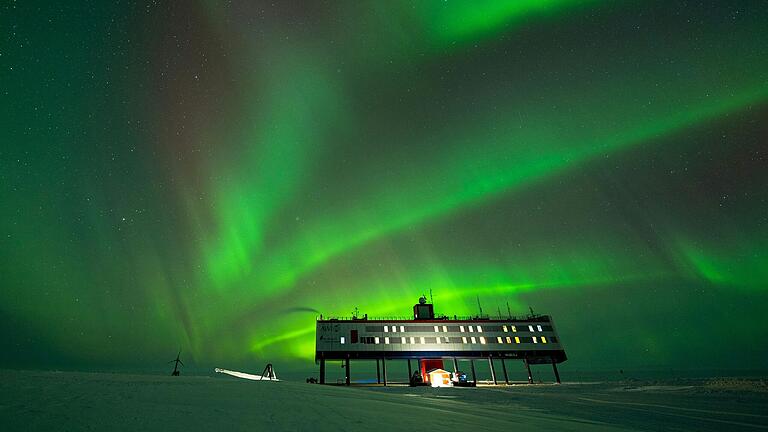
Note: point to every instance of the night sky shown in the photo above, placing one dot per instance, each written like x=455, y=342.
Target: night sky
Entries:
x=212, y=175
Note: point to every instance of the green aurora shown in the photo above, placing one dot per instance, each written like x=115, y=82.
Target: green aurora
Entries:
x=216, y=176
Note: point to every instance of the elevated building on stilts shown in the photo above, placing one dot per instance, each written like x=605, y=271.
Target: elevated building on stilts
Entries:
x=438, y=343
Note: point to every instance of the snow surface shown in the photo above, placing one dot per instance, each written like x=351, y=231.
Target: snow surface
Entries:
x=52, y=401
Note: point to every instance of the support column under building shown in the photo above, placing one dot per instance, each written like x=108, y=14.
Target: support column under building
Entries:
x=409, y=370
x=504, y=368
x=493, y=372
x=322, y=369
x=347, y=380
x=472, y=364
x=455, y=366
x=528, y=367
x=378, y=373
x=384, y=369
x=554, y=368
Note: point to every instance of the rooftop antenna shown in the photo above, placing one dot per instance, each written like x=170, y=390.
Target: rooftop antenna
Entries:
x=176, y=366
x=509, y=313
x=531, y=309
x=430, y=296
x=478, y=305
x=498, y=309
x=355, y=312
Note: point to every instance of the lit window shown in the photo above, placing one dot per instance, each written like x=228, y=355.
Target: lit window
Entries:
x=530, y=328
x=376, y=340
x=413, y=340
x=343, y=340
x=402, y=329
x=514, y=329
x=506, y=329
x=464, y=339
x=509, y=340
x=543, y=339
x=438, y=339
x=386, y=340
x=479, y=329
x=535, y=340
x=422, y=340
x=482, y=340
x=445, y=329
x=474, y=340
x=402, y=339
x=461, y=328
x=498, y=339
x=517, y=339
x=386, y=329
x=436, y=329
x=471, y=329
x=538, y=327
x=445, y=339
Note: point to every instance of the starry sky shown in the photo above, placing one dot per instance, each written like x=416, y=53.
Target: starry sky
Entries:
x=212, y=175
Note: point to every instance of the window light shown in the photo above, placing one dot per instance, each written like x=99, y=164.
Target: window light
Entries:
x=498, y=339
x=445, y=329
x=461, y=328
x=438, y=339
x=543, y=339
x=479, y=329
x=386, y=340
x=471, y=329
x=402, y=329
x=506, y=329
x=538, y=327
x=402, y=339
x=376, y=340
x=464, y=339
x=535, y=340
x=509, y=340
x=422, y=340
x=482, y=340
x=517, y=339
x=514, y=329
x=530, y=328
x=474, y=340
x=386, y=329
x=343, y=340
x=413, y=340
x=436, y=329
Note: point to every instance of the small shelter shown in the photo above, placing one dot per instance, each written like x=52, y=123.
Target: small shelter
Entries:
x=440, y=378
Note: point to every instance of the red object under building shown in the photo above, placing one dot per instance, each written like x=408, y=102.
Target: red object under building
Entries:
x=428, y=365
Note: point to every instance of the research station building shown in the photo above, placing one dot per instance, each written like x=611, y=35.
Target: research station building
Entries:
x=434, y=340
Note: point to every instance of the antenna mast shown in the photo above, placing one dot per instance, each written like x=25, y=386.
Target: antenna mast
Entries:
x=478, y=305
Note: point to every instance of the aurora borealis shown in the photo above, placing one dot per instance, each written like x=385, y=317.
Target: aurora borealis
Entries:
x=213, y=175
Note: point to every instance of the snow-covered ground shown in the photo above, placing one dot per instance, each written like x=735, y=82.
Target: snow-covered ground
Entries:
x=52, y=401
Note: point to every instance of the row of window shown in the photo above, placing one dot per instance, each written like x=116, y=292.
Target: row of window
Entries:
x=460, y=329
x=445, y=339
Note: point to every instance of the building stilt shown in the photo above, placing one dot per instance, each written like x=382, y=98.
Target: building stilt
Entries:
x=384, y=369
x=322, y=369
x=504, y=368
x=554, y=368
x=346, y=365
x=528, y=367
x=493, y=372
x=409, y=370
x=378, y=373
x=474, y=377
x=455, y=366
